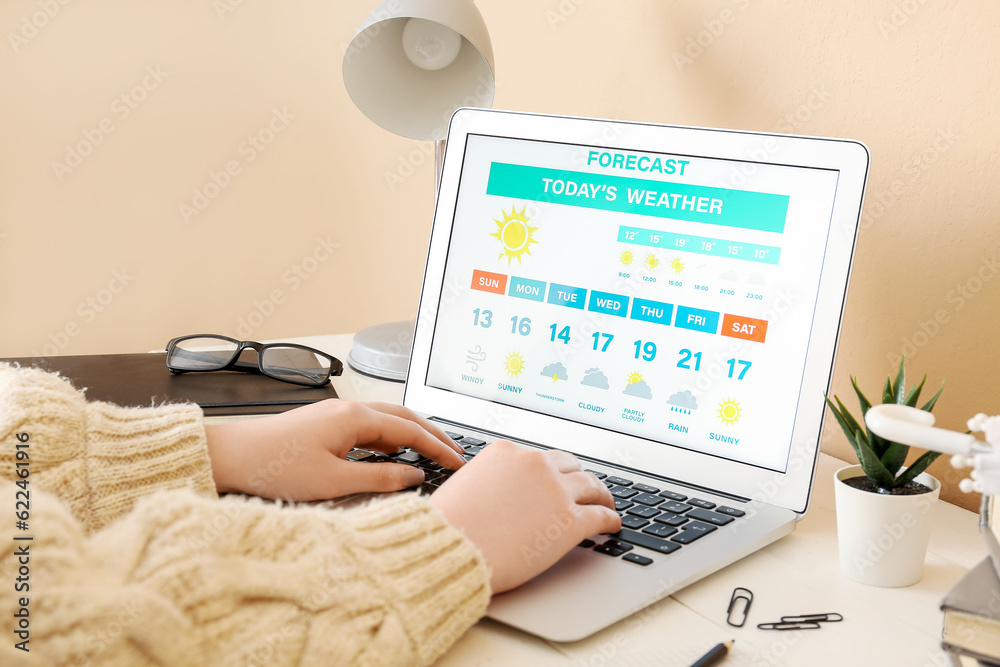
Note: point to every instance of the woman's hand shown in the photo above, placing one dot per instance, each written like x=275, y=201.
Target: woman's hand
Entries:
x=299, y=454
x=524, y=509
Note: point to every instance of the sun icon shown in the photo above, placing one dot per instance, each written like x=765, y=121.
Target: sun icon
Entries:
x=514, y=234
x=634, y=377
x=651, y=261
x=514, y=364
x=677, y=265
x=626, y=257
x=729, y=411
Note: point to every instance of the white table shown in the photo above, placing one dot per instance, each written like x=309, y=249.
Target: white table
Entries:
x=799, y=574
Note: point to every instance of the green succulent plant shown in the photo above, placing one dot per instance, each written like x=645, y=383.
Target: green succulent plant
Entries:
x=881, y=459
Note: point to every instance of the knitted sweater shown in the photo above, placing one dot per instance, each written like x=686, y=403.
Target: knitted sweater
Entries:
x=135, y=561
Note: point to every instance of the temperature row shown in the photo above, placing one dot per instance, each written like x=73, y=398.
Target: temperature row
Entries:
x=701, y=245
x=645, y=350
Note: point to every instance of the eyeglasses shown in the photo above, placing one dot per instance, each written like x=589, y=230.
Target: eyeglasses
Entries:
x=287, y=362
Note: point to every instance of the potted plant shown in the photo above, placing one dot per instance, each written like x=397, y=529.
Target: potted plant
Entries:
x=884, y=508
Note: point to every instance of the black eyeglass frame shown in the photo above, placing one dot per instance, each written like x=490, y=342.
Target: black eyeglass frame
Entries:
x=234, y=364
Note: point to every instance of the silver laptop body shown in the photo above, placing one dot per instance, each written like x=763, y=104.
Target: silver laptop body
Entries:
x=662, y=301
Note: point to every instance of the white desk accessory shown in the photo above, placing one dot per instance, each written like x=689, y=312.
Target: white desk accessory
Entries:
x=915, y=427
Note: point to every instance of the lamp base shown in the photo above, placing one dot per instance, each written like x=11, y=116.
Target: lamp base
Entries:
x=383, y=351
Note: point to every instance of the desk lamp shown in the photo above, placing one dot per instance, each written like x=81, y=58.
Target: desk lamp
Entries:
x=409, y=67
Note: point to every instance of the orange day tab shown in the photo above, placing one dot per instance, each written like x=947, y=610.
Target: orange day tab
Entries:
x=746, y=328
x=485, y=281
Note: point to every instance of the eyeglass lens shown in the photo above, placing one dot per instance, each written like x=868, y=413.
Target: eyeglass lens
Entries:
x=295, y=364
x=204, y=353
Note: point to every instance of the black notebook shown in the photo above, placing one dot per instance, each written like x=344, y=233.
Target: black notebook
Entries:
x=142, y=380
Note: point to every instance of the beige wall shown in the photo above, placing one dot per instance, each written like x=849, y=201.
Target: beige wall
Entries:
x=97, y=256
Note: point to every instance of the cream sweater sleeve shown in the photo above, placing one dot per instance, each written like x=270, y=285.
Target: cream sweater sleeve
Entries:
x=98, y=457
x=187, y=580
x=128, y=567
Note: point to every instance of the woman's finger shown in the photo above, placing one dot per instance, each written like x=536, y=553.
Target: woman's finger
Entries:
x=381, y=429
x=588, y=490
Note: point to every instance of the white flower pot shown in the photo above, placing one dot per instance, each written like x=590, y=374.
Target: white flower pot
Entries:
x=883, y=538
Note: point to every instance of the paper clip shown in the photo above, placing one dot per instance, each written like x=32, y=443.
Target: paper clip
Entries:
x=736, y=597
x=802, y=622
x=813, y=618
x=789, y=625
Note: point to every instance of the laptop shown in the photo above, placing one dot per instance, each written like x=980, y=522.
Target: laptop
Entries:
x=664, y=302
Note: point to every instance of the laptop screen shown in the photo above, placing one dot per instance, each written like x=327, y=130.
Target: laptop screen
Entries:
x=663, y=296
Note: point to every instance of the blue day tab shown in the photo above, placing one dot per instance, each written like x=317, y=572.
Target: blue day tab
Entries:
x=697, y=319
x=526, y=288
x=652, y=311
x=607, y=303
x=564, y=295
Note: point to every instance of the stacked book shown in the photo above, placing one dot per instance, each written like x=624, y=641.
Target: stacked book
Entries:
x=971, y=633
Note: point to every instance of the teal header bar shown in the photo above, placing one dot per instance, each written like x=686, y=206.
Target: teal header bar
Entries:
x=715, y=206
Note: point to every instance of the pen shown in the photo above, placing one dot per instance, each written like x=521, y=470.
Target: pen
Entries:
x=715, y=655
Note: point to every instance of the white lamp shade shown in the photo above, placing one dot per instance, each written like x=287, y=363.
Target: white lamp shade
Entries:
x=403, y=98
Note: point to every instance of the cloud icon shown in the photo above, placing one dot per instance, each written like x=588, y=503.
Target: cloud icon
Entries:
x=638, y=389
x=683, y=401
x=593, y=377
x=555, y=371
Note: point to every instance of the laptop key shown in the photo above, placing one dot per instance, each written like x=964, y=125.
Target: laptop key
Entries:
x=618, y=545
x=608, y=550
x=472, y=451
x=674, y=507
x=631, y=521
x=708, y=516
x=731, y=511
x=671, y=519
x=623, y=492
x=643, y=511
x=693, y=531
x=647, y=499
x=646, y=541
x=637, y=559
x=409, y=457
x=670, y=495
x=698, y=502
x=620, y=481
x=453, y=435
x=586, y=544
x=659, y=530
x=472, y=442
x=622, y=505
x=598, y=475
x=645, y=488
x=359, y=455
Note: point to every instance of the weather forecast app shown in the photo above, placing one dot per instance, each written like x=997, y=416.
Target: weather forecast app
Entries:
x=668, y=297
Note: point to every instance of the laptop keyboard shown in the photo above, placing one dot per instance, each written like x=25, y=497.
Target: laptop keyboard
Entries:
x=653, y=519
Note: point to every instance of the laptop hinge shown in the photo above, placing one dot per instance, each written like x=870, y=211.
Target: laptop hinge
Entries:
x=607, y=464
